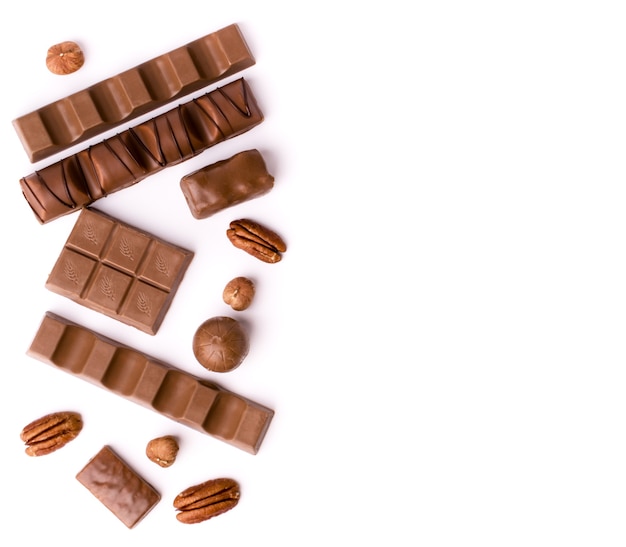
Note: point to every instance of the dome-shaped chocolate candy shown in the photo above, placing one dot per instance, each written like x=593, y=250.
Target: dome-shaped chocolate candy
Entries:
x=220, y=344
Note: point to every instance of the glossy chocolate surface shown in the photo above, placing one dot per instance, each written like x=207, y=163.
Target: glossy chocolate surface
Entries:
x=118, y=487
x=226, y=183
x=186, y=399
x=119, y=270
x=132, y=155
x=220, y=344
x=87, y=113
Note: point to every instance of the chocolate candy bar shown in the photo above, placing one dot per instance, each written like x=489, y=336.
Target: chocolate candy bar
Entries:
x=118, y=487
x=134, y=154
x=134, y=92
x=118, y=270
x=226, y=183
x=186, y=399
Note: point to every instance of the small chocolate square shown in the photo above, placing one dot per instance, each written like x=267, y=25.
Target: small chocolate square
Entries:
x=143, y=305
x=108, y=289
x=162, y=265
x=71, y=274
x=90, y=233
x=126, y=249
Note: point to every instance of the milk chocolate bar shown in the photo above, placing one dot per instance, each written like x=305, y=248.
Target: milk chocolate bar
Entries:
x=132, y=155
x=119, y=270
x=226, y=183
x=82, y=115
x=118, y=487
x=186, y=399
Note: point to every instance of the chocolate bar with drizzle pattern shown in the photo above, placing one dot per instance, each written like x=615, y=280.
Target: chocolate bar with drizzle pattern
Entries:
x=132, y=155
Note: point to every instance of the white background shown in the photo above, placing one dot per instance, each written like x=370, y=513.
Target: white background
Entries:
x=443, y=343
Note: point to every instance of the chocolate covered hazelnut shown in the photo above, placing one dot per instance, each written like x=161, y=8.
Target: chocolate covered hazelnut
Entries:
x=220, y=344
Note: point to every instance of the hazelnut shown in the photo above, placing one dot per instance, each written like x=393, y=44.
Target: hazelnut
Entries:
x=238, y=293
x=64, y=58
x=162, y=450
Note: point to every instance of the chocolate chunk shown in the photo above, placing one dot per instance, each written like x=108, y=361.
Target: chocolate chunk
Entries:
x=102, y=106
x=220, y=344
x=118, y=270
x=186, y=399
x=118, y=487
x=226, y=183
x=134, y=154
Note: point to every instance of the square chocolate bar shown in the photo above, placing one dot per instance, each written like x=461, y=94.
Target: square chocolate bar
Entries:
x=119, y=270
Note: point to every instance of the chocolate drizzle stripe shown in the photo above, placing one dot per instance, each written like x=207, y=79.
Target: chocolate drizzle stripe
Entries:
x=199, y=120
x=208, y=117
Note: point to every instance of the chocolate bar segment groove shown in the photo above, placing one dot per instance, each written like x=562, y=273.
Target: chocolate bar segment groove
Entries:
x=82, y=115
x=132, y=155
x=118, y=487
x=119, y=270
x=182, y=397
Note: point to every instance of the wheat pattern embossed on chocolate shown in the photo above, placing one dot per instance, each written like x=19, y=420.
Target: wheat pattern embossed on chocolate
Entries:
x=121, y=271
x=134, y=154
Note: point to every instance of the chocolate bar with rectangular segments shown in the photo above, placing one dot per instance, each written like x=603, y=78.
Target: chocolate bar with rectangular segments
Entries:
x=182, y=397
x=119, y=270
x=226, y=183
x=132, y=155
x=118, y=487
x=82, y=115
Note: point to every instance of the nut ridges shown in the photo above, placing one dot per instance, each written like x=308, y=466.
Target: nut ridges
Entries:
x=206, y=500
x=51, y=432
x=257, y=240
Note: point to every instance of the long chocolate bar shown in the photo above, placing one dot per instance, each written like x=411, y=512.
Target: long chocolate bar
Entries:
x=118, y=487
x=134, y=154
x=186, y=399
x=131, y=93
x=119, y=270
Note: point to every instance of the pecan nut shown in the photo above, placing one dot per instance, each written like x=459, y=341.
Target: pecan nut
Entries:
x=51, y=432
x=256, y=240
x=206, y=500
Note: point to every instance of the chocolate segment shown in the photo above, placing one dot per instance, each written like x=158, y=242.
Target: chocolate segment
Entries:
x=134, y=154
x=186, y=399
x=226, y=183
x=118, y=487
x=134, y=92
x=118, y=270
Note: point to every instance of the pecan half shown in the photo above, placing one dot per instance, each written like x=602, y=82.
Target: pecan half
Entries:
x=206, y=500
x=51, y=432
x=256, y=240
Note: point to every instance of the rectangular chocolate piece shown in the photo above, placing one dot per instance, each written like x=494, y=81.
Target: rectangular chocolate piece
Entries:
x=132, y=155
x=186, y=399
x=226, y=183
x=118, y=270
x=118, y=487
x=82, y=115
